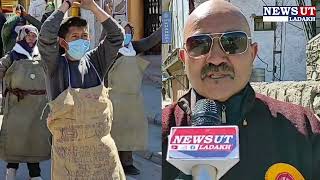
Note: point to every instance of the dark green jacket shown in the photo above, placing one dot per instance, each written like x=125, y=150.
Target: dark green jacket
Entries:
x=8, y=35
x=275, y=132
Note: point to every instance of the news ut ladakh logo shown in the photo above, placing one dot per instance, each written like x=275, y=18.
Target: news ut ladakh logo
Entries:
x=289, y=13
x=203, y=142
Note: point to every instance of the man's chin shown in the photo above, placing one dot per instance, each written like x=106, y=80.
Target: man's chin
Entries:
x=218, y=89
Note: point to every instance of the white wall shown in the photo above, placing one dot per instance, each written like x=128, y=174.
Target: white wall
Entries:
x=294, y=64
x=265, y=48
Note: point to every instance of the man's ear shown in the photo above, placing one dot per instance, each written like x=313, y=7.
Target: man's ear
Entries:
x=182, y=56
x=64, y=44
x=254, y=50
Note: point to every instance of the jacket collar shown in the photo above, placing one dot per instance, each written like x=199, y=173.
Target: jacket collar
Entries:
x=19, y=49
x=236, y=107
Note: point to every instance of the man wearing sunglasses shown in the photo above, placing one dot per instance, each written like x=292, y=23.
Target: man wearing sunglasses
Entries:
x=218, y=55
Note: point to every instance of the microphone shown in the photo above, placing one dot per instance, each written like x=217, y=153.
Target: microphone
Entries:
x=206, y=150
x=205, y=113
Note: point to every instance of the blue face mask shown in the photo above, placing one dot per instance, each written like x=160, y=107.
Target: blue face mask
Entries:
x=78, y=48
x=127, y=39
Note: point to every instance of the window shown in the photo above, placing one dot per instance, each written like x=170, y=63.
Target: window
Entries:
x=259, y=25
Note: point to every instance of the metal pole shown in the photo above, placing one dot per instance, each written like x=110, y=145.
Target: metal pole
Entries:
x=274, y=67
x=204, y=172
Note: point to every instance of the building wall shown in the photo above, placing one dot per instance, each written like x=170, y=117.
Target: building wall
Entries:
x=135, y=12
x=313, y=59
x=294, y=41
x=318, y=17
x=165, y=48
x=179, y=80
x=180, y=12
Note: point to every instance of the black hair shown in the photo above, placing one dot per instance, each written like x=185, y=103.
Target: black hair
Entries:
x=131, y=28
x=69, y=22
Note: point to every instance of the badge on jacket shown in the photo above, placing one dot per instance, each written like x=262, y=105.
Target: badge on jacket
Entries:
x=32, y=76
x=283, y=171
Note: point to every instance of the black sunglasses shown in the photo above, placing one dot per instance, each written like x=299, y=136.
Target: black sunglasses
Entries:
x=235, y=42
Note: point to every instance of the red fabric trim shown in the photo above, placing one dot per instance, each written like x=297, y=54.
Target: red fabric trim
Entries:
x=296, y=114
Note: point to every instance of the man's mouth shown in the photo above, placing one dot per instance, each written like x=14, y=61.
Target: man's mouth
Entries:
x=216, y=72
x=215, y=76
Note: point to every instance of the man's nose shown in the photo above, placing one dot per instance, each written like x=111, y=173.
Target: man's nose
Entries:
x=216, y=55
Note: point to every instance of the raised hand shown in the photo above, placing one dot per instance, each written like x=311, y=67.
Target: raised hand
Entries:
x=18, y=10
x=108, y=8
x=22, y=11
x=87, y=4
x=66, y=4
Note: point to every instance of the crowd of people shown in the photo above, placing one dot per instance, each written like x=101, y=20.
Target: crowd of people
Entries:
x=59, y=95
x=277, y=140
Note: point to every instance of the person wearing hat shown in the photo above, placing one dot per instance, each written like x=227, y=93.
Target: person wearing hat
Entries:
x=24, y=137
x=130, y=128
x=12, y=26
x=10, y=30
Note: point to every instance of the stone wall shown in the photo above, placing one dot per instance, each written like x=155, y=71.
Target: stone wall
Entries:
x=304, y=93
x=318, y=17
x=313, y=59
